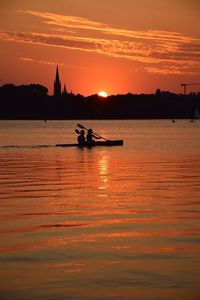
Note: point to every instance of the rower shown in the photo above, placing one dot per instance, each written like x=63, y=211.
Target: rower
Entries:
x=89, y=137
x=81, y=138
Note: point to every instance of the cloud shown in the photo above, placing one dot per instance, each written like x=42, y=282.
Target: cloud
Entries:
x=173, y=70
x=137, y=51
x=170, y=51
x=31, y=60
x=86, y=24
x=36, y=61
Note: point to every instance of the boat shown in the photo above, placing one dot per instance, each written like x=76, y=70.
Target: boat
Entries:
x=108, y=143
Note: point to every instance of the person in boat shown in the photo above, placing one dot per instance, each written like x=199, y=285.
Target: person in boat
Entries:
x=89, y=138
x=81, y=138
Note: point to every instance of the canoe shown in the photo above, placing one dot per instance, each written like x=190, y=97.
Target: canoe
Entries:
x=97, y=143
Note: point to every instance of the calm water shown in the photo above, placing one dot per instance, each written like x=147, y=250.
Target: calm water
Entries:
x=102, y=223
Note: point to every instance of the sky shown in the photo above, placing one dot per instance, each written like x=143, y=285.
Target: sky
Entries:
x=118, y=46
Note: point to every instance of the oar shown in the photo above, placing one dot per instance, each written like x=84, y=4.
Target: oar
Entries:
x=83, y=127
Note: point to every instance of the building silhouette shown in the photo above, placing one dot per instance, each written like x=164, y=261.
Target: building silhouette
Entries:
x=64, y=92
x=57, y=84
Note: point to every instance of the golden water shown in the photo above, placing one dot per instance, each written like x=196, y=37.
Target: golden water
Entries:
x=100, y=223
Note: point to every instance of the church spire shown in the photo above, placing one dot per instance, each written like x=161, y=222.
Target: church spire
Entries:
x=64, y=90
x=57, y=84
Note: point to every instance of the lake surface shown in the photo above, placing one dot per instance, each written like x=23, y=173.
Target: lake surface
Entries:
x=102, y=223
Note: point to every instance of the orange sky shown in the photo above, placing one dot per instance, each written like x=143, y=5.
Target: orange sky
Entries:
x=119, y=46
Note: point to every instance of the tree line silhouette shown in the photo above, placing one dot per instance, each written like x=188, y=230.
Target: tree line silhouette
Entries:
x=33, y=102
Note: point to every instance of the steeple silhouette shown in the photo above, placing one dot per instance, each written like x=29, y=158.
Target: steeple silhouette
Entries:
x=57, y=84
x=64, y=90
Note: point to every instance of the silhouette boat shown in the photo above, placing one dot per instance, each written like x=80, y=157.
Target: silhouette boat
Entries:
x=108, y=143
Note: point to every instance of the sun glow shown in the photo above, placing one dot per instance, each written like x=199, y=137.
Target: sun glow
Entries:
x=102, y=94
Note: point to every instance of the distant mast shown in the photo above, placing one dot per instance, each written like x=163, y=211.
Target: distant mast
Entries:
x=57, y=84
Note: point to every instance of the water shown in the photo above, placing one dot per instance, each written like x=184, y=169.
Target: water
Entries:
x=101, y=223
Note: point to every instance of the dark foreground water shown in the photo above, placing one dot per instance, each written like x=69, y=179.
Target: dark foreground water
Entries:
x=102, y=223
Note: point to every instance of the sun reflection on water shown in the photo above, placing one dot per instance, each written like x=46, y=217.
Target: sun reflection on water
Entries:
x=103, y=174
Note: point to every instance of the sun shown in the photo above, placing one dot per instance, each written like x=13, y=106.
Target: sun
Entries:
x=103, y=94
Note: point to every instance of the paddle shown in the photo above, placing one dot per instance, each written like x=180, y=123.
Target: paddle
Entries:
x=77, y=131
x=83, y=127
